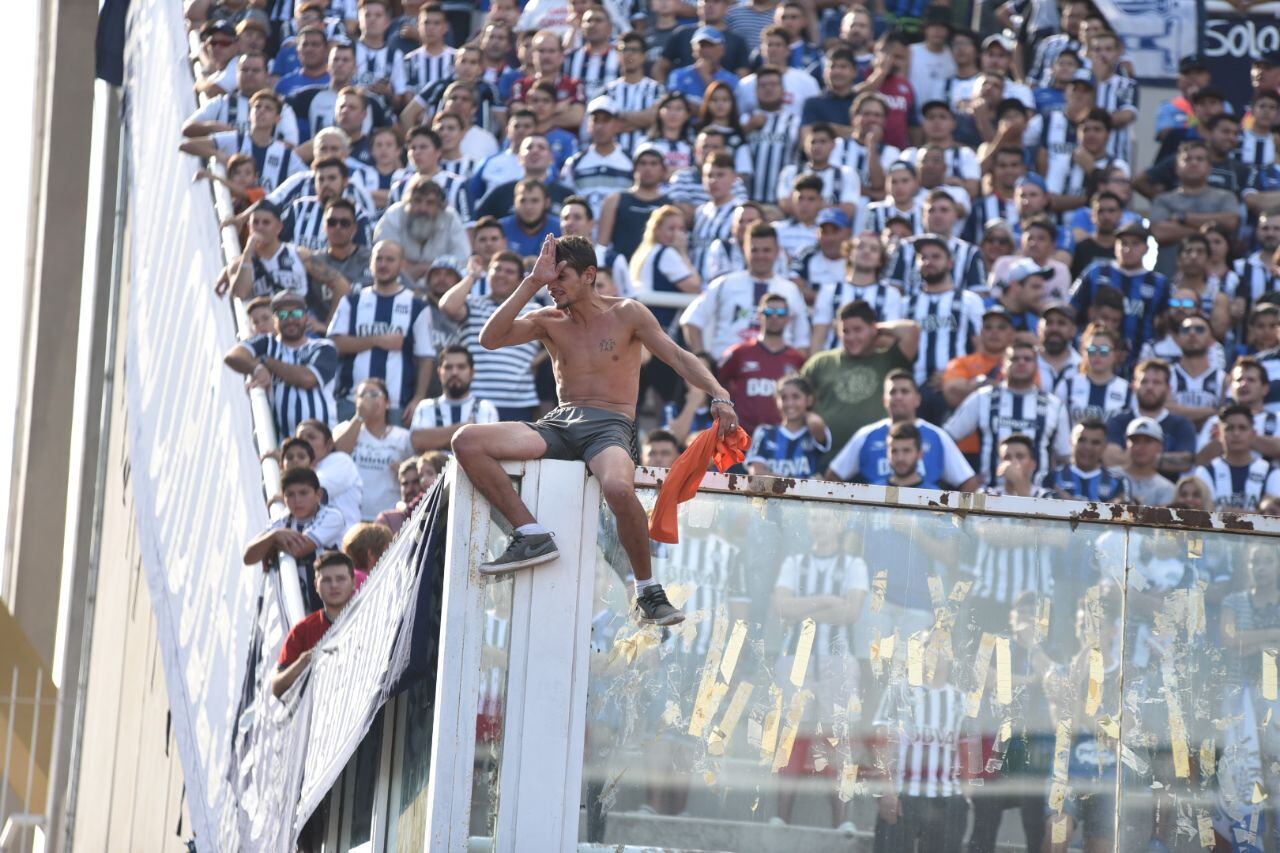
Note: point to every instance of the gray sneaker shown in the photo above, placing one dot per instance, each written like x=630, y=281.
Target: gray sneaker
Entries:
x=524, y=550
x=652, y=607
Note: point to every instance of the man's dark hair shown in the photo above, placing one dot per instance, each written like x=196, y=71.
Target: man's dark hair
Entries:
x=1212, y=122
x=1267, y=309
x=906, y=431
x=1264, y=95
x=331, y=163
x=1156, y=364
x=1044, y=223
x=1106, y=195
x=299, y=477
x=841, y=54
x=335, y=558
x=656, y=435
x=859, y=309
x=581, y=202
x=424, y=132
x=487, y=222
x=1099, y=115
x=720, y=160
x=822, y=127
x=769, y=71
x=1009, y=152
x=632, y=38
x=1024, y=440
x=522, y=114
x=290, y=443
x=763, y=231
x=1235, y=409
x=1091, y=424
x=526, y=184
x=772, y=297
x=579, y=252
x=808, y=182
x=459, y=349
x=317, y=425
x=1192, y=145
x=1248, y=362
x=342, y=204
x=795, y=380
x=898, y=374
x=1108, y=297
x=1197, y=239
x=509, y=257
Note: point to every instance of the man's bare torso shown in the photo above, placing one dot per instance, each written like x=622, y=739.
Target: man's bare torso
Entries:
x=596, y=360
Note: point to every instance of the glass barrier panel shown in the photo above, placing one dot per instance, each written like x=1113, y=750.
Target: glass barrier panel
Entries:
x=844, y=671
x=410, y=768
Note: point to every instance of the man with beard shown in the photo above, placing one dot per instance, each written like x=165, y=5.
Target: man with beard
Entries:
x=624, y=214
x=1198, y=384
x=1107, y=209
x=531, y=221
x=1257, y=274
x=424, y=226
x=866, y=256
x=941, y=213
x=1151, y=382
x=436, y=420
x=536, y=159
x=341, y=251
x=299, y=370
x=596, y=343
x=303, y=222
x=1058, y=355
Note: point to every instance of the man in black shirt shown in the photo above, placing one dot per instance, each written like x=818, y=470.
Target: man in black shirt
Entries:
x=1105, y=211
x=623, y=215
x=1222, y=134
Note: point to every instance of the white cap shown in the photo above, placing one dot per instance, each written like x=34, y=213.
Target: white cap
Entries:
x=602, y=104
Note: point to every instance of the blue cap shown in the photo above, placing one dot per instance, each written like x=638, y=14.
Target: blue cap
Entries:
x=1033, y=178
x=705, y=33
x=834, y=216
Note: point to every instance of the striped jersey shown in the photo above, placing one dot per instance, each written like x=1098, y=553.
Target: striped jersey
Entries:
x=878, y=213
x=594, y=70
x=787, y=453
x=884, y=298
x=1059, y=137
x=444, y=411
x=502, y=376
x=303, y=225
x=1256, y=149
x=463, y=167
x=840, y=184
x=302, y=184
x=767, y=150
x=961, y=160
x=1255, y=280
x=597, y=176
x=1203, y=391
x=326, y=529
x=685, y=187
x=850, y=152
x=1271, y=362
x=374, y=64
x=419, y=69
x=712, y=566
x=968, y=270
x=809, y=575
x=275, y=162
x=1145, y=296
x=234, y=109
x=457, y=193
x=633, y=97
x=924, y=723
x=985, y=208
x=284, y=270
x=1003, y=571
x=995, y=413
x=1105, y=485
x=710, y=222
x=291, y=404
x=949, y=321
x=367, y=313
x=1118, y=94
x=1240, y=487
x=1085, y=399
x=1265, y=423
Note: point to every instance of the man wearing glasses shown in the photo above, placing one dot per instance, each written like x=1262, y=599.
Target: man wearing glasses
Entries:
x=343, y=253
x=751, y=370
x=299, y=371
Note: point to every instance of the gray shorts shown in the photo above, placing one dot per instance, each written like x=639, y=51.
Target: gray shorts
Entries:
x=581, y=432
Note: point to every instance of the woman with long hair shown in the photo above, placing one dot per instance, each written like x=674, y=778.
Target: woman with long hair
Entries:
x=672, y=132
x=376, y=446
x=661, y=262
x=719, y=111
x=1096, y=391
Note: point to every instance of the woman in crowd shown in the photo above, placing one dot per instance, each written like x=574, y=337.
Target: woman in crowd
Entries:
x=376, y=446
x=719, y=111
x=339, y=476
x=671, y=135
x=661, y=262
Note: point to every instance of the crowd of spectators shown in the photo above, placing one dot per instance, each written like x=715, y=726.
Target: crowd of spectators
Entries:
x=916, y=254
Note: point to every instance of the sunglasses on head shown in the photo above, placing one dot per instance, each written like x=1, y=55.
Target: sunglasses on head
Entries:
x=339, y=222
x=291, y=314
x=1099, y=349
x=1195, y=329
x=774, y=312
x=1182, y=303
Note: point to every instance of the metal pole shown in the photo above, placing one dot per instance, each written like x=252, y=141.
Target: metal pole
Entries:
x=8, y=742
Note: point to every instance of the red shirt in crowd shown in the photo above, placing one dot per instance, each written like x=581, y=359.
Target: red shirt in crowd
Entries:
x=567, y=89
x=303, y=636
x=751, y=373
x=900, y=100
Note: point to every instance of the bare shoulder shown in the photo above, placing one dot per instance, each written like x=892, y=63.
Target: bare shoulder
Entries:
x=632, y=309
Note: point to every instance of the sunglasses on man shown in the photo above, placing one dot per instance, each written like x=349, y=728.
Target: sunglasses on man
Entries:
x=291, y=314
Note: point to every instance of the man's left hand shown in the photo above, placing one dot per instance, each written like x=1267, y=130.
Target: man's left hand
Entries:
x=727, y=416
x=407, y=417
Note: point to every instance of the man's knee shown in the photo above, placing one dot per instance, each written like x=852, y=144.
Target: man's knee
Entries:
x=466, y=443
x=618, y=492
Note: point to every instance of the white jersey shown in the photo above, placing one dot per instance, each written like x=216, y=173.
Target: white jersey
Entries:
x=1085, y=400
x=284, y=270
x=711, y=222
x=340, y=479
x=303, y=184
x=594, y=70
x=852, y=153
x=1240, y=487
x=275, y=163
x=962, y=162
x=1200, y=392
x=377, y=459
x=884, y=298
x=995, y=413
x=798, y=86
x=596, y=176
x=1004, y=571
x=632, y=98
x=374, y=64
x=292, y=404
x=766, y=151
x=418, y=69
x=949, y=321
x=840, y=184
x=442, y=411
x=926, y=723
x=810, y=575
x=367, y=313
x=1119, y=94
x=930, y=72
x=878, y=214
x=727, y=315
x=234, y=109
x=794, y=236
x=1265, y=423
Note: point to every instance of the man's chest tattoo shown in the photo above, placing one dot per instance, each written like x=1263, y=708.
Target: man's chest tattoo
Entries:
x=608, y=345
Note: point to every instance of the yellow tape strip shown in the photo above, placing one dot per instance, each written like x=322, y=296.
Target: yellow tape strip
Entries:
x=915, y=660
x=703, y=709
x=783, y=754
x=721, y=735
x=1177, y=727
x=1208, y=758
x=848, y=781
x=1205, y=824
x=772, y=721
x=1004, y=672
x=730, y=662
x=981, y=666
x=1094, y=699
x=804, y=646
x=1269, y=674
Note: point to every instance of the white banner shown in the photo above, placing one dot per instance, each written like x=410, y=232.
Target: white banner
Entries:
x=196, y=475
x=1156, y=33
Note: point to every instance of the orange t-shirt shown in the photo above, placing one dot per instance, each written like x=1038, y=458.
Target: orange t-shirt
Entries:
x=971, y=367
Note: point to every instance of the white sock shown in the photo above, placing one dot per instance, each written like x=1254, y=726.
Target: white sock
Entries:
x=531, y=529
x=641, y=586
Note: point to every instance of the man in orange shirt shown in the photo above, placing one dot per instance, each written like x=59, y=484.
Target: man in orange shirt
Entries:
x=967, y=373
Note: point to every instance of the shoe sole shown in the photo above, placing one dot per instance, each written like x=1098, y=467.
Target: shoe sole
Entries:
x=674, y=619
x=490, y=569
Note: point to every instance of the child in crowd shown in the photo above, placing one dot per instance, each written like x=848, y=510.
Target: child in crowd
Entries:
x=310, y=526
x=793, y=447
x=365, y=543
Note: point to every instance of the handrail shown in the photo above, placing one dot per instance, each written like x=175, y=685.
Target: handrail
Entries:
x=264, y=425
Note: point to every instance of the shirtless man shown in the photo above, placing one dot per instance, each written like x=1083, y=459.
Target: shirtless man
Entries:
x=595, y=345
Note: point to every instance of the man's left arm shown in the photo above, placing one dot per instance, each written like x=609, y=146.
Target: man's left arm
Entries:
x=689, y=367
x=327, y=275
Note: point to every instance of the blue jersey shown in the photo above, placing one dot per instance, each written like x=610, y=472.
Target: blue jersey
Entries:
x=787, y=453
x=865, y=459
x=1145, y=296
x=1104, y=485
